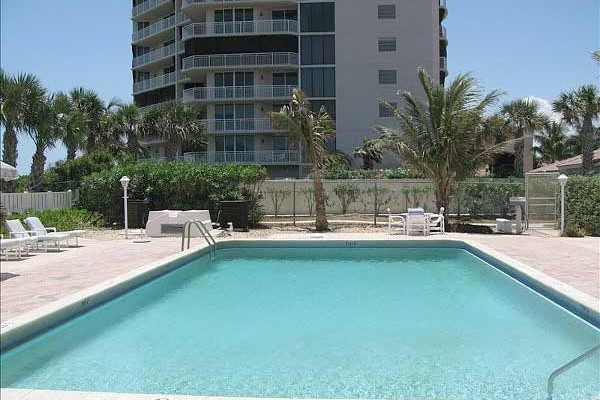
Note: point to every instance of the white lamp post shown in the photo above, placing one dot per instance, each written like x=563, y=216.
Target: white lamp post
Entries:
x=124, y=183
x=562, y=180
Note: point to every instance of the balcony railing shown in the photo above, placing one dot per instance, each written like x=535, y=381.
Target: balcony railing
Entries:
x=239, y=60
x=206, y=94
x=155, y=83
x=443, y=33
x=243, y=125
x=187, y=3
x=157, y=27
x=146, y=6
x=266, y=157
x=155, y=55
x=239, y=28
x=443, y=63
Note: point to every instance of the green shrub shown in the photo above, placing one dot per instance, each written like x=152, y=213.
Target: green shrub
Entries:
x=582, y=202
x=67, y=219
x=347, y=193
x=338, y=173
x=65, y=175
x=486, y=197
x=175, y=186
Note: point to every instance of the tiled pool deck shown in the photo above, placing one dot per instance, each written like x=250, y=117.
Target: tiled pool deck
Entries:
x=46, y=277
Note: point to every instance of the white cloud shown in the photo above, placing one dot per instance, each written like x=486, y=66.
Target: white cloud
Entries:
x=546, y=108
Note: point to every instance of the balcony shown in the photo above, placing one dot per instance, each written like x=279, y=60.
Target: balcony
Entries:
x=201, y=3
x=154, y=29
x=443, y=10
x=444, y=64
x=443, y=34
x=155, y=83
x=264, y=27
x=234, y=93
x=267, y=157
x=247, y=60
x=244, y=125
x=163, y=53
x=149, y=7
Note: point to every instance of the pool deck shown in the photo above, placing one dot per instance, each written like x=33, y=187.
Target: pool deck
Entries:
x=44, y=278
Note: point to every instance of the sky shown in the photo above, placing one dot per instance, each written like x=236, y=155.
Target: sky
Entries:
x=527, y=48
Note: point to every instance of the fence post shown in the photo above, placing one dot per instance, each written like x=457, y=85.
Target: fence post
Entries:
x=294, y=200
x=375, y=195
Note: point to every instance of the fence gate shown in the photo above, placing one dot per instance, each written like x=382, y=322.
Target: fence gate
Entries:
x=543, y=192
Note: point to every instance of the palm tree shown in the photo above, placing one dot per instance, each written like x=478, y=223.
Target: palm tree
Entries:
x=443, y=136
x=14, y=91
x=175, y=123
x=553, y=143
x=579, y=109
x=370, y=152
x=596, y=55
x=70, y=126
x=523, y=118
x=126, y=122
x=313, y=129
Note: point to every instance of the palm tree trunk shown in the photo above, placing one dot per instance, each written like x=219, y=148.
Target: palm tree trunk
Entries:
x=321, y=223
x=36, y=177
x=10, y=153
x=71, y=151
x=587, y=146
x=442, y=198
x=171, y=151
x=132, y=146
x=518, y=163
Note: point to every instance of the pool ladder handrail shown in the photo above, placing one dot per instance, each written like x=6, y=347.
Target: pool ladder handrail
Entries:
x=568, y=366
x=187, y=231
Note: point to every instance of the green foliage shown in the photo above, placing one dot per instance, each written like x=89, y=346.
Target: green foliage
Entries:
x=68, y=174
x=278, y=196
x=175, y=186
x=583, y=204
x=347, y=194
x=67, y=219
x=337, y=173
x=380, y=197
x=415, y=195
x=486, y=197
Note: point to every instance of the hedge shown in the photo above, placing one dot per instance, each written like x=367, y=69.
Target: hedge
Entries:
x=175, y=186
x=486, y=197
x=67, y=219
x=582, y=203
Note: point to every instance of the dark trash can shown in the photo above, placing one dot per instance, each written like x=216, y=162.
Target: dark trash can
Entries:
x=236, y=212
x=137, y=213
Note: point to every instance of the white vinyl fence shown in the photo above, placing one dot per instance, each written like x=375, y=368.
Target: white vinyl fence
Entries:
x=39, y=201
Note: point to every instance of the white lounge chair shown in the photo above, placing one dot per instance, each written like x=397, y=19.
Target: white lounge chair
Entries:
x=417, y=222
x=17, y=245
x=16, y=230
x=396, y=222
x=37, y=226
x=437, y=222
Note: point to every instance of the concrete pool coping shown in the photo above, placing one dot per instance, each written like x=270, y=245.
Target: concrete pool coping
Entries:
x=28, y=325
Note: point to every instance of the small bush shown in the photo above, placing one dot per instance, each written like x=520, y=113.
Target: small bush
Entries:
x=347, y=194
x=175, y=186
x=582, y=202
x=65, y=175
x=67, y=219
x=573, y=232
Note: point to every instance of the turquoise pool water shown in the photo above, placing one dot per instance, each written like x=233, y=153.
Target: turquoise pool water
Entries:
x=385, y=323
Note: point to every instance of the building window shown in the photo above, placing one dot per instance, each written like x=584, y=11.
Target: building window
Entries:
x=387, y=44
x=285, y=79
x=278, y=15
x=385, y=111
x=317, y=17
x=280, y=143
x=318, y=49
x=318, y=82
x=315, y=105
x=241, y=78
x=387, y=77
x=386, y=11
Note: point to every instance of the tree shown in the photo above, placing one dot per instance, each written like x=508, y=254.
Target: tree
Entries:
x=553, y=143
x=69, y=124
x=370, y=152
x=175, y=123
x=579, y=108
x=442, y=136
x=41, y=125
x=596, y=55
x=523, y=118
x=14, y=92
x=126, y=122
x=313, y=129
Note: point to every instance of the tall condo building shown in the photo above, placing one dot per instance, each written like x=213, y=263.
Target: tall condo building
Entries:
x=238, y=60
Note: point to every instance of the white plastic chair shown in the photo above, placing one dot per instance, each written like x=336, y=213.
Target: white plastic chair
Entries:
x=437, y=222
x=17, y=245
x=396, y=222
x=37, y=226
x=16, y=230
x=417, y=222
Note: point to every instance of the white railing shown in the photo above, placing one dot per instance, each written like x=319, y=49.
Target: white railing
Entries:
x=243, y=125
x=238, y=92
x=239, y=28
x=155, y=83
x=267, y=157
x=155, y=55
x=22, y=202
x=187, y=3
x=443, y=33
x=443, y=4
x=157, y=27
x=240, y=60
x=147, y=6
x=443, y=63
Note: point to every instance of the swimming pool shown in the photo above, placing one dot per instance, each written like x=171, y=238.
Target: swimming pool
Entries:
x=319, y=322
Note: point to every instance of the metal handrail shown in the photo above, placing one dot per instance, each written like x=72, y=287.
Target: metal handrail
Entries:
x=187, y=228
x=568, y=366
